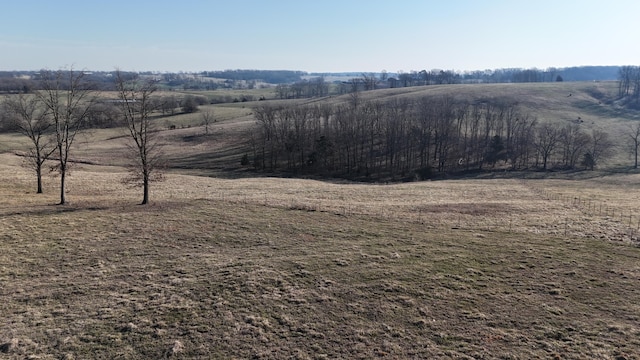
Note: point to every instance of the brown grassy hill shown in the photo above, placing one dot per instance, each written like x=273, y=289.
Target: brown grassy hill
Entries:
x=591, y=104
x=287, y=268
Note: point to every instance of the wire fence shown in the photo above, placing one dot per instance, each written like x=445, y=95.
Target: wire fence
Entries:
x=574, y=216
x=626, y=223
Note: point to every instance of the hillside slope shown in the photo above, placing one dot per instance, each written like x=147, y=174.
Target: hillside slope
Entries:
x=291, y=268
x=591, y=105
x=188, y=149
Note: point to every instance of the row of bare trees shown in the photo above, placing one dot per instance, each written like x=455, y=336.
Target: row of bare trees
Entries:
x=402, y=138
x=54, y=116
x=303, y=89
x=629, y=84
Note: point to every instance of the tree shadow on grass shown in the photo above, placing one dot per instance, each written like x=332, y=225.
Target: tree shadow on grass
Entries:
x=53, y=209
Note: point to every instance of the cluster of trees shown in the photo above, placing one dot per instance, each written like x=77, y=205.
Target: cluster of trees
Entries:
x=424, y=77
x=514, y=75
x=186, y=82
x=268, y=76
x=296, y=86
x=15, y=82
x=425, y=137
x=629, y=85
x=552, y=74
x=370, y=81
x=317, y=86
x=65, y=104
x=303, y=89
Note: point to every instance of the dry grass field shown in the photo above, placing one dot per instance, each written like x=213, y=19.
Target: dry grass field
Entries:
x=524, y=267
x=285, y=268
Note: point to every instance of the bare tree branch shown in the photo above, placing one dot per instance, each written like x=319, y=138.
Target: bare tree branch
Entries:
x=136, y=106
x=29, y=117
x=68, y=99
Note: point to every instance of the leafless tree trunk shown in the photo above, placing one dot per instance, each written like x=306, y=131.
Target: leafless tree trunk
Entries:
x=68, y=99
x=266, y=120
x=633, y=141
x=625, y=78
x=207, y=119
x=369, y=81
x=29, y=116
x=137, y=105
x=546, y=140
x=601, y=146
x=523, y=140
x=573, y=142
x=444, y=131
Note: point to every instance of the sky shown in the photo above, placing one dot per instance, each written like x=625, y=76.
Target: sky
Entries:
x=317, y=35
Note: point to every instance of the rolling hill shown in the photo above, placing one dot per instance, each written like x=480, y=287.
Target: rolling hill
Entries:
x=536, y=266
x=592, y=105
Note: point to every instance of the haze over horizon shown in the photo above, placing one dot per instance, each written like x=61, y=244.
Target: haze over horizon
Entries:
x=331, y=36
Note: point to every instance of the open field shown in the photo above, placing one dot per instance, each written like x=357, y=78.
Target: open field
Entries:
x=234, y=266
x=285, y=268
x=592, y=105
x=219, y=153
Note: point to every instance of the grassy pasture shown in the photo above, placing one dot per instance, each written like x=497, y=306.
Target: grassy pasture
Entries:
x=591, y=105
x=187, y=149
x=285, y=268
x=535, y=266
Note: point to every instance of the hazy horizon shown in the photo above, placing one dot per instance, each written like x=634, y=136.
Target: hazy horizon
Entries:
x=327, y=37
x=308, y=73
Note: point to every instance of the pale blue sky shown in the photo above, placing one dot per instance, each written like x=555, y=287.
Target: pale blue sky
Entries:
x=317, y=35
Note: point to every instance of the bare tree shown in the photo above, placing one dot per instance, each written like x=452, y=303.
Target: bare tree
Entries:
x=137, y=105
x=189, y=104
x=207, y=119
x=68, y=99
x=633, y=141
x=573, y=142
x=30, y=118
x=319, y=86
x=266, y=116
x=168, y=104
x=601, y=147
x=369, y=81
x=546, y=140
x=625, y=79
x=384, y=75
x=523, y=135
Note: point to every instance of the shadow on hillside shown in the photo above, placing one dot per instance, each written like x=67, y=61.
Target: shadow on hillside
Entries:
x=51, y=210
x=600, y=110
x=575, y=174
x=225, y=164
x=119, y=206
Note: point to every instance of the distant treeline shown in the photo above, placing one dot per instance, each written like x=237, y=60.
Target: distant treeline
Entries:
x=267, y=76
x=27, y=81
x=629, y=86
x=507, y=75
x=514, y=75
x=404, y=139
